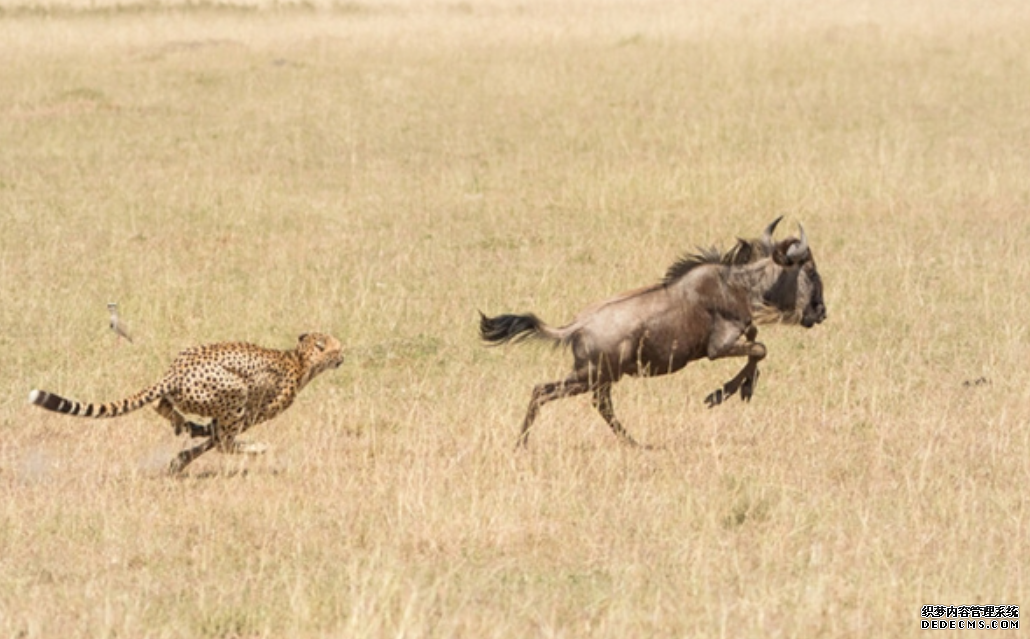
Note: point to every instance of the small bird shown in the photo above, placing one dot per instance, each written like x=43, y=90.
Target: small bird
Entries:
x=117, y=325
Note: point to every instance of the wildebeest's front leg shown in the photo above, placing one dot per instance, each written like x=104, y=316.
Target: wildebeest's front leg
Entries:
x=603, y=404
x=543, y=393
x=747, y=378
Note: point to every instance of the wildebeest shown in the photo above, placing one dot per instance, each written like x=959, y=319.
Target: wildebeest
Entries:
x=702, y=308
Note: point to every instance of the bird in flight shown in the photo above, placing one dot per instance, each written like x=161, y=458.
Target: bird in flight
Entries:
x=117, y=325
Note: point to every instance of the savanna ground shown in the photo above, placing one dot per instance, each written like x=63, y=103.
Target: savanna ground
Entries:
x=382, y=171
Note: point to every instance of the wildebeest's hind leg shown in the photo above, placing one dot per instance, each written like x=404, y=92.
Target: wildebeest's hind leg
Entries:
x=747, y=378
x=603, y=404
x=543, y=393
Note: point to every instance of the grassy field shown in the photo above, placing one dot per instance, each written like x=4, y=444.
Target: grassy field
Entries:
x=381, y=171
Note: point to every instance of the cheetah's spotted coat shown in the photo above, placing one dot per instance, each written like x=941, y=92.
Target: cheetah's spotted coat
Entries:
x=235, y=384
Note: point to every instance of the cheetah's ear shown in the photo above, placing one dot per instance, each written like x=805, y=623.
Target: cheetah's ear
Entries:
x=302, y=337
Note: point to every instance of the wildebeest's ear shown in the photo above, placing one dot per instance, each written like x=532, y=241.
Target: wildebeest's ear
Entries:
x=743, y=252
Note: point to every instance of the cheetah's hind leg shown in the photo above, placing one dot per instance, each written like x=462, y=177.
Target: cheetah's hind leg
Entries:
x=181, y=425
x=197, y=430
x=183, y=459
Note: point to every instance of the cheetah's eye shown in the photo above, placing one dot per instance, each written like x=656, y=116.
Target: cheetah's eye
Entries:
x=320, y=344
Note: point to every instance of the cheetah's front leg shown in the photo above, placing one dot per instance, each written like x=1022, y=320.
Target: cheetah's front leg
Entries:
x=226, y=438
x=259, y=408
x=247, y=447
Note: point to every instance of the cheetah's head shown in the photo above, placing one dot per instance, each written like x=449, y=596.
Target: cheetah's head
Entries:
x=319, y=352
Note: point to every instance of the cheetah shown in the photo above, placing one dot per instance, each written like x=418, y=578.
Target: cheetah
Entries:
x=234, y=384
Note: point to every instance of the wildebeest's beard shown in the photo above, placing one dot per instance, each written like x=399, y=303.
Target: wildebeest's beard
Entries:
x=815, y=310
x=794, y=297
x=783, y=294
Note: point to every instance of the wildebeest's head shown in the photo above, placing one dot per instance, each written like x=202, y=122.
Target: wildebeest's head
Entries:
x=796, y=294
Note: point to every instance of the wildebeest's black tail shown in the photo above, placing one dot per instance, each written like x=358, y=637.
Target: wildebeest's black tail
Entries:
x=515, y=328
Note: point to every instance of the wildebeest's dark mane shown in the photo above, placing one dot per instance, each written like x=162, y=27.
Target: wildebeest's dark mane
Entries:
x=744, y=252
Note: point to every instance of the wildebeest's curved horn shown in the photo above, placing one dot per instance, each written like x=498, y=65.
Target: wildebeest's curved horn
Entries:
x=767, y=235
x=798, y=250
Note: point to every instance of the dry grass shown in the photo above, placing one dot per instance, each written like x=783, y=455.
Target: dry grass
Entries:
x=381, y=171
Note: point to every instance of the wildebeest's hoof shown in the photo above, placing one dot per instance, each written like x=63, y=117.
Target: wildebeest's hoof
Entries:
x=747, y=389
x=714, y=399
